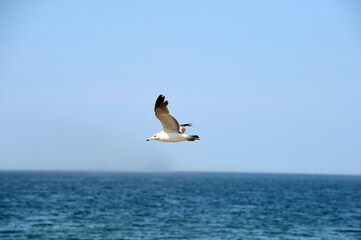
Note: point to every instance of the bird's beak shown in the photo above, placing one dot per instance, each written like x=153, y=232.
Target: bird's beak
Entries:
x=148, y=139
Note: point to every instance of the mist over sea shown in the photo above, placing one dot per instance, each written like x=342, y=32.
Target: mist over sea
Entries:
x=90, y=205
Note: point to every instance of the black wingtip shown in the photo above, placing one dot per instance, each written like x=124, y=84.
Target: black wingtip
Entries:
x=160, y=98
x=160, y=101
x=193, y=138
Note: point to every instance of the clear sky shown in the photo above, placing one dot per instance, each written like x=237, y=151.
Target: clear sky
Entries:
x=270, y=86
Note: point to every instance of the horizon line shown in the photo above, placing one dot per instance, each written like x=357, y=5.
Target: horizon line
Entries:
x=170, y=171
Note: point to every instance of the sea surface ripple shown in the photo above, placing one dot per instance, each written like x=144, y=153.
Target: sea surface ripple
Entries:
x=80, y=205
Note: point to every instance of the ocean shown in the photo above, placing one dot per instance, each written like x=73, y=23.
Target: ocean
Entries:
x=176, y=205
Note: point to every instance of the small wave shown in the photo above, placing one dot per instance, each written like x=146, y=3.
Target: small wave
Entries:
x=349, y=230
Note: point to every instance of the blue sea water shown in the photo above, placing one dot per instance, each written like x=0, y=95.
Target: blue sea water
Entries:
x=78, y=205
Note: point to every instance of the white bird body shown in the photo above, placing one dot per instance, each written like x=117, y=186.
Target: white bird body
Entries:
x=172, y=131
x=170, y=137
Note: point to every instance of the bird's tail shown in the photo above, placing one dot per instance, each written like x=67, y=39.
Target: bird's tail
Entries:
x=192, y=137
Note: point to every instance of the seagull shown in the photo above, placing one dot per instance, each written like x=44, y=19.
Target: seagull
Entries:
x=172, y=131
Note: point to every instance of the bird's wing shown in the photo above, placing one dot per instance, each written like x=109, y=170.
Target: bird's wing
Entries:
x=183, y=127
x=170, y=124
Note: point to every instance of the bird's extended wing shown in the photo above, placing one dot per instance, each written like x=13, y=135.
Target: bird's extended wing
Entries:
x=170, y=124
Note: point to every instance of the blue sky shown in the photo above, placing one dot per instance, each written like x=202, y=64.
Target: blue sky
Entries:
x=270, y=86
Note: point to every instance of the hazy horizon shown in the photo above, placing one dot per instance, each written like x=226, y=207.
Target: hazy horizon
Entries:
x=170, y=172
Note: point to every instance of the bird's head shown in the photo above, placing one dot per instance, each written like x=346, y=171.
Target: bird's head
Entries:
x=154, y=137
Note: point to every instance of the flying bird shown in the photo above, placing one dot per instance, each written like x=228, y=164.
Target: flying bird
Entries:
x=172, y=131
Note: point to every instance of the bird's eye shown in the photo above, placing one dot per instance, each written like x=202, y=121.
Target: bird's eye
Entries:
x=155, y=136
